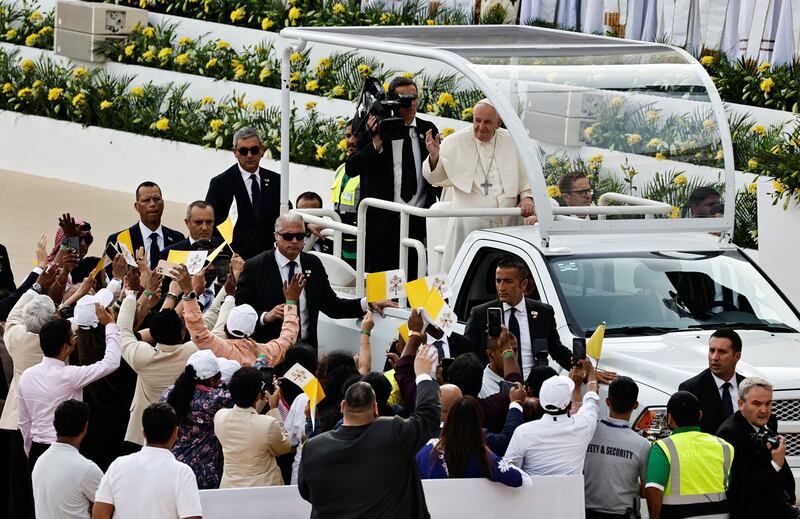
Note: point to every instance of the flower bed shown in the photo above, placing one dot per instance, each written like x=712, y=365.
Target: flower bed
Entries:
x=25, y=24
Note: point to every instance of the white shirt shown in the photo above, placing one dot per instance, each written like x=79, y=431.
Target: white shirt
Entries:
x=43, y=386
x=248, y=184
x=524, y=341
x=62, y=467
x=491, y=383
x=445, y=344
x=733, y=390
x=146, y=232
x=150, y=483
x=418, y=200
x=555, y=444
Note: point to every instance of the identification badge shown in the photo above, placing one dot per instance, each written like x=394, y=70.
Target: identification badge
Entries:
x=347, y=197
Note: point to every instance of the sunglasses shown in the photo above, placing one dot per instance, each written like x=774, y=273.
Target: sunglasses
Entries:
x=252, y=150
x=582, y=192
x=289, y=236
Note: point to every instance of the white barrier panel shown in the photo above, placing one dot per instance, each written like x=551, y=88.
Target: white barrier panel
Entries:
x=551, y=496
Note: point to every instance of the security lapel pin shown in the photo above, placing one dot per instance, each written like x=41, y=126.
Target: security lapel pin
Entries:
x=534, y=314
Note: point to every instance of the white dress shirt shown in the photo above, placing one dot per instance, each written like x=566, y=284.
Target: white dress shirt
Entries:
x=555, y=444
x=445, y=344
x=150, y=483
x=43, y=386
x=62, y=467
x=418, y=200
x=524, y=341
x=146, y=232
x=248, y=184
x=733, y=390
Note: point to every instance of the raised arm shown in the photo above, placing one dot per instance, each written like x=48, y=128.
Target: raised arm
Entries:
x=276, y=348
x=404, y=369
x=365, y=351
x=84, y=375
x=423, y=423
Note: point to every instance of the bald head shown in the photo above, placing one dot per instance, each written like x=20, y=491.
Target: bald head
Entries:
x=449, y=394
x=485, y=121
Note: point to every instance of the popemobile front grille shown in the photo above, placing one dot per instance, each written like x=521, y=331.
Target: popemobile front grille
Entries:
x=788, y=411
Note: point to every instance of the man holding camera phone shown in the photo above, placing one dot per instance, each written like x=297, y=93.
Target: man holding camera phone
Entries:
x=393, y=171
x=762, y=484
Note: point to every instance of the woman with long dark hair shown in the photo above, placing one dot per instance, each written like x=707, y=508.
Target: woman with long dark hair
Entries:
x=196, y=398
x=461, y=451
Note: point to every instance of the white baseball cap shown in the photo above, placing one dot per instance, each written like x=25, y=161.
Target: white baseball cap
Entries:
x=227, y=367
x=84, y=314
x=242, y=321
x=556, y=393
x=204, y=363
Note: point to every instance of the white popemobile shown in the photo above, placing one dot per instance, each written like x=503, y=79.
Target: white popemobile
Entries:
x=661, y=279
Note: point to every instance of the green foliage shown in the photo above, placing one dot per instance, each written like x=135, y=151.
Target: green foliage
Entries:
x=745, y=233
x=22, y=23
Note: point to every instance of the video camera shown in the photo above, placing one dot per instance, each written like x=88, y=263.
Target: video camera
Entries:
x=375, y=101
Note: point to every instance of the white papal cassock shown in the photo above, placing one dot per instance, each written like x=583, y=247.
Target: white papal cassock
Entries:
x=481, y=174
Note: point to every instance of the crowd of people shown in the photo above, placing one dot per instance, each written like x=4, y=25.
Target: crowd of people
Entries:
x=134, y=383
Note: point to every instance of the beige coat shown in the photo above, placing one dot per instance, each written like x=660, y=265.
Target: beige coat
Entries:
x=24, y=349
x=157, y=368
x=250, y=443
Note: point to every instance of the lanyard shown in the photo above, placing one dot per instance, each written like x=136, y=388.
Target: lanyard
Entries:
x=618, y=426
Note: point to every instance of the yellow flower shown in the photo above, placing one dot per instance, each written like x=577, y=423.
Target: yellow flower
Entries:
x=759, y=130
x=295, y=58
x=162, y=124
x=339, y=8
x=324, y=63
x=707, y=61
x=752, y=164
x=446, y=132
x=105, y=105
x=137, y=91
x=709, y=125
x=720, y=155
x=311, y=105
x=616, y=101
x=294, y=15
x=258, y=106
x=588, y=132
x=553, y=191
x=46, y=30
x=11, y=34
x=264, y=74
x=222, y=44
x=776, y=149
x=552, y=161
x=385, y=18
x=321, y=151
x=766, y=85
x=149, y=55
x=633, y=138
x=430, y=22
x=25, y=92
x=596, y=160
x=165, y=53
x=337, y=91
x=364, y=69
x=385, y=86
x=80, y=72
x=651, y=116
x=764, y=67
x=211, y=63
x=216, y=124
x=182, y=59
x=429, y=107
x=294, y=78
x=129, y=49
x=446, y=99
x=631, y=171
x=237, y=14
x=143, y=4
x=659, y=156
x=149, y=32
x=38, y=83
x=239, y=72
x=27, y=65
x=342, y=146
x=680, y=180
x=79, y=100
x=408, y=75
x=31, y=40
x=54, y=94
x=185, y=41
x=675, y=213
x=35, y=16
x=312, y=86
x=207, y=100
x=466, y=114
x=266, y=24
x=655, y=142
x=8, y=88
x=779, y=186
x=752, y=187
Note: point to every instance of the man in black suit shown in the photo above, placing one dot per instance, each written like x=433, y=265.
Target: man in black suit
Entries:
x=393, y=171
x=256, y=191
x=148, y=231
x=761, y=481
x=367, y=467
x=717, y=387
x=261, y=286
x=526, y=318
x=200, y=224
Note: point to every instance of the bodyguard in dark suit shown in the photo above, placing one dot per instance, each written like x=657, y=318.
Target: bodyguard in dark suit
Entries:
x=527, y=319
x=256, y=191
x=148, y=231
x=761, y=480
x=393, y=171
x=367, y=467
x=200, y=224
x=717, y=387
x=261, y=286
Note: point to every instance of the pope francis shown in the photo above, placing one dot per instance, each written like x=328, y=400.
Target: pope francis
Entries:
x=482, y=167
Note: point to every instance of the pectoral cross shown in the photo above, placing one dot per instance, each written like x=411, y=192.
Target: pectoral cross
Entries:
x=486, y=185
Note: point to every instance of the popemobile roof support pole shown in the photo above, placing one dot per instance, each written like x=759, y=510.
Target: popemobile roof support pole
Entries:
x=286, y=119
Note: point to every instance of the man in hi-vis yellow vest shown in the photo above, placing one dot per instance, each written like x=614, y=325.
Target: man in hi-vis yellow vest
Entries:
x=689, y=471
x=345, y=194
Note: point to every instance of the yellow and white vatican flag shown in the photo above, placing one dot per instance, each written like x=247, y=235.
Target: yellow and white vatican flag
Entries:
x=594, y=346
x=435, y=310
x=193, y=259
x=216, y=251
x=417, y=291
x=389, y=284
x=125, y=247
x=306, y=381
x=226, y=227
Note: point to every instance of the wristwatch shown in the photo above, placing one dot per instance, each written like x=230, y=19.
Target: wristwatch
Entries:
x=190, y=295
x=36, y=287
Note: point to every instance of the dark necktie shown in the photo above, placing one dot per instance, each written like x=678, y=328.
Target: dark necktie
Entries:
x=408, y=185
x=155, y=251
x=439, y=348
x=293, y=265
x=727, y=405
x=513, y=327
x=255, y=189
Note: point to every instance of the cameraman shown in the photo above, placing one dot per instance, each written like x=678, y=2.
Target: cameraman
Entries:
x=762, y=484
x=393, y=171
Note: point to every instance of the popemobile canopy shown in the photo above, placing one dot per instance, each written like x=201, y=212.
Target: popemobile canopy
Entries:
x=645, y=118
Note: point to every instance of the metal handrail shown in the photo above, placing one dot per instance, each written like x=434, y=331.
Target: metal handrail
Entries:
x=329, y=213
